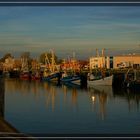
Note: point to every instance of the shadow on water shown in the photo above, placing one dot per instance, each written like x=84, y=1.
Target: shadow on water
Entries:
x=131, y=96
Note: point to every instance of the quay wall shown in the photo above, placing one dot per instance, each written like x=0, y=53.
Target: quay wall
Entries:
x=2, y=89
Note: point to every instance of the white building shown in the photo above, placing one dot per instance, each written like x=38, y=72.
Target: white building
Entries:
x=100, y=61
x=120, y=61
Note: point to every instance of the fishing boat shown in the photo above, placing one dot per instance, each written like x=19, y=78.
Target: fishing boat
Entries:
x=51, y=73
x=101, y=78
x=24, y=74
x=104, y=81
x=132, y=79
x=73, y=77
x=51, y=76
x=6, y=74
x=70, y=80
x=72, y=85
x=14, y=73
x=36, y=76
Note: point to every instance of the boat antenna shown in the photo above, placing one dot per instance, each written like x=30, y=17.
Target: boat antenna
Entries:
x=103, y=52
x=103, y=55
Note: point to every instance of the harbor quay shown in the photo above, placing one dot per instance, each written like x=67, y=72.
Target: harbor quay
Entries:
x=118, y=75
x=50, y=68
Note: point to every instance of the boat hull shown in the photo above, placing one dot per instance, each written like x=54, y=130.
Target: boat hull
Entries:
x=36, y=78
x=72, y=85
x=107, y=81
x=51, y=77
x=25, y=76
x=73, y=79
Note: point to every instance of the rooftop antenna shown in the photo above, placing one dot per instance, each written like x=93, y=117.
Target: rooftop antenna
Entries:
x=73, y=55
x=97, y=53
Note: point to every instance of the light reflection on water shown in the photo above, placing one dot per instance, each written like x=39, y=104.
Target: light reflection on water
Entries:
x=41, y=107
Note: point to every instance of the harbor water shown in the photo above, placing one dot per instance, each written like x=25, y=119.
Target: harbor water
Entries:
x=35, y=107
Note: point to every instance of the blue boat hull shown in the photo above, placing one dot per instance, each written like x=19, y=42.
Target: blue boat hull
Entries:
x=51, y=77
x=71, y=85
x=70, y=78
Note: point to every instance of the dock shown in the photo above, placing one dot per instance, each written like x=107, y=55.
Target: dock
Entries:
x=6, y=129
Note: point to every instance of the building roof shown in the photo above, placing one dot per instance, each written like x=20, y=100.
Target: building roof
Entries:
x=128, y=55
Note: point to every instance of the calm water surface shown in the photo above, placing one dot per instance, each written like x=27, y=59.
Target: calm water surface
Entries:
x=41, y=107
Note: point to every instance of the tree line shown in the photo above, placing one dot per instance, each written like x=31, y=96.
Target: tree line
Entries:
x=27, y=55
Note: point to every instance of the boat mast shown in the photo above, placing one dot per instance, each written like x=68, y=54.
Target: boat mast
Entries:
x=53, y=62
x=73, y=62
x=103, y=55
x=135, y=75
x=47, y=61
x=24, y=62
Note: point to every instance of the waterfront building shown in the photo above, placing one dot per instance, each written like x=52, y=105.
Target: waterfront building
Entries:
x=118, y=61
x=100, y=61
x=121, y=61
x=8, y=64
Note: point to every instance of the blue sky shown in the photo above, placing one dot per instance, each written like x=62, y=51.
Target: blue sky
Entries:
x=70, y=29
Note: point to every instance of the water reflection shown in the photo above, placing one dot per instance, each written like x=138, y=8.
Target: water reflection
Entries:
x=56, y=97
x=100, y=94
x=50, y=93
x=5, y=127
x=104, y=94
x=131, y=97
